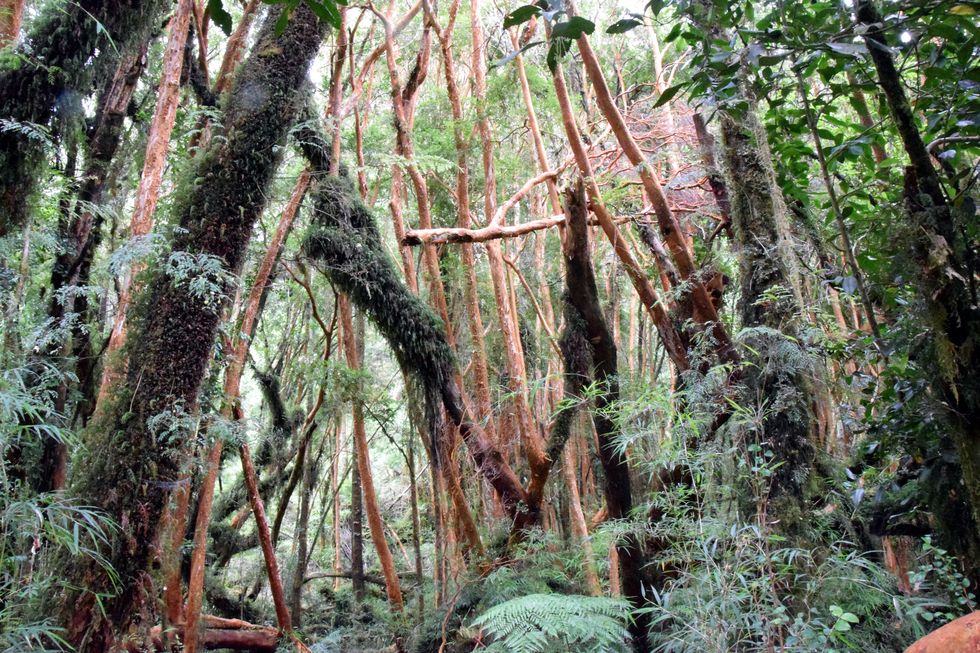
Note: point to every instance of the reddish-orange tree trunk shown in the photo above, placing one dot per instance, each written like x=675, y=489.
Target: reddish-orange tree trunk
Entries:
x=403, y=101
x=370, y=497
x=672, y=341
x=141, y=224
x=528, y=431
x=233, y=375
x=11, y=15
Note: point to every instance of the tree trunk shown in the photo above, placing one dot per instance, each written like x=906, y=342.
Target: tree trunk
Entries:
x=783, y=375
x=302, y=543
x=70, y=47
x=580, y=529
x=142, y=433
x=943, y=256
x=584, y=308
x=392, y=586
x=356, y=523
x=413, y=497
x=265, y=540
x=527, y=429
x=157, y=142
x=11, y=16
x=335, y=491
x=481, y=379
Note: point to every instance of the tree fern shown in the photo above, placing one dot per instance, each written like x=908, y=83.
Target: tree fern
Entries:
x=549, y=623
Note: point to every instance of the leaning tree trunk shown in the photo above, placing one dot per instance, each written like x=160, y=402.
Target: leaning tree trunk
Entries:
x=148, y=190
x=55, y=60
x=346, y=239
x=586, y=328
x=142, y=436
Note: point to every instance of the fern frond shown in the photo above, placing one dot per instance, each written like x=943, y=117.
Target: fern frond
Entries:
x=542, y=623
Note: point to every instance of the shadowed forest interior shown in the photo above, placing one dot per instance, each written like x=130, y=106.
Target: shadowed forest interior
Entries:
x=432, y=326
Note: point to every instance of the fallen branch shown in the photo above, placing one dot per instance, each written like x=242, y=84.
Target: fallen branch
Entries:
x=219, y=633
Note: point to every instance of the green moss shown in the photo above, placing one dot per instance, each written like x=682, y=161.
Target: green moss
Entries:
x=55, y=63
x=346, y=240
x=141, y=441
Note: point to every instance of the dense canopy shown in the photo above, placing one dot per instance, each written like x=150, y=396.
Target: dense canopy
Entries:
x=444, y=327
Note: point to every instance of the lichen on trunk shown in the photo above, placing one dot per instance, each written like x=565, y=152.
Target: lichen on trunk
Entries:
x=779, y=377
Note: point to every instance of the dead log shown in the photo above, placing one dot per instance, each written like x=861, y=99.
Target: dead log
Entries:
x=219, y=633
x=959, y=636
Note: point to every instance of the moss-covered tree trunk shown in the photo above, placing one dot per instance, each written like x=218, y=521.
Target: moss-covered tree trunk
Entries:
x=55, y=62
x=347, y=241
x=778, y=381
x=80, y=232
x=140, y=439
x=940, y=241
x=774, y=382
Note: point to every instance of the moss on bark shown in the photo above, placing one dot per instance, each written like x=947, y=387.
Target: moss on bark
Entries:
x=778, y=380
x=55, y=64
x=139, y=442
x=346, y=240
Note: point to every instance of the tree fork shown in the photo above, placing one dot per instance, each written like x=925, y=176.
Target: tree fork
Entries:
x=670, y=229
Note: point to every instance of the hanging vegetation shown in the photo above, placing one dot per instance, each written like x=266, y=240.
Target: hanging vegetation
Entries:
x=448, y=327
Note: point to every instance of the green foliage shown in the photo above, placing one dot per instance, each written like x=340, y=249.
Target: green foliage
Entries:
x=733, y=580
x=43, y=80
x=740, y=589
x=942, y=574
x=204, y=276
x=36, y=527
x=550, y=623
x=562, y=32
x=53, y=525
